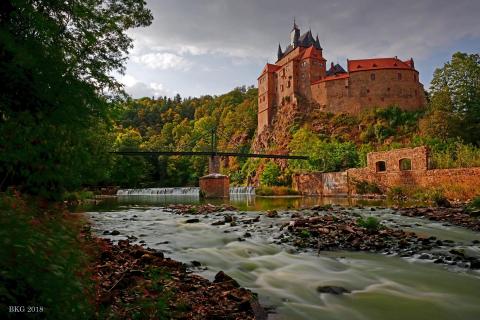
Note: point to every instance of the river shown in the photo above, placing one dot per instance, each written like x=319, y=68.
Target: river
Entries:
x=382, y=287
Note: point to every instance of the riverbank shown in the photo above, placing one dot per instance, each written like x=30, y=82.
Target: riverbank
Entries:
x=53, y=264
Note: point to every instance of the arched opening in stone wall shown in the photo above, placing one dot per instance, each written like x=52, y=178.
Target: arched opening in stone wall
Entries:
x=380, y=166
x=405, y=164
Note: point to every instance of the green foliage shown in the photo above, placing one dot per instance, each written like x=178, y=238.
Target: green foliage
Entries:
x=42, y=263
x=474, y=206
x=129, y=171
x=372, y=224
x=57, y=60
x=398, y=194
x=456, y=155
x=270, y=175
x=366, y=187
x=323, y=156
x=305, y=234
x=186, y=125
x=455, y=103
x=78, y=195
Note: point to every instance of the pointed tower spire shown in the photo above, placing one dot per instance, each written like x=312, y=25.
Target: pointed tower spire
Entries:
x=294, y=34
x=279, y=53
x=317, y=43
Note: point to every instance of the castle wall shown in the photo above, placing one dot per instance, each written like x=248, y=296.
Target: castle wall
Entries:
x=370, y=88
x=266, y=100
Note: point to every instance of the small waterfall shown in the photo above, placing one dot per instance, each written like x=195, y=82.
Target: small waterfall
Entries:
x=186, y=191
x=242, y=190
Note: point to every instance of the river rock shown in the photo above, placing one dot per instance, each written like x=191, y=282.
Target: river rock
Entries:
x=332, y=290
x=115, y=233
x=272, y=214
x=193, y=220
x=222, y=277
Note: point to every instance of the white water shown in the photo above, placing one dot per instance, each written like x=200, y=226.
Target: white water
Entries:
x=180, y=191
x=383, y=287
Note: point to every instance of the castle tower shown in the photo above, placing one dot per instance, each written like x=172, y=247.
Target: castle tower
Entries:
x=294, y=35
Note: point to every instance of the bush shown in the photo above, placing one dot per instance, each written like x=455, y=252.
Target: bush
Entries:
x=474, y=205
x=398, y=194
x=271, y=175
x=439, y=199
x=366, y=187
x=78, y=195
x=371, y=223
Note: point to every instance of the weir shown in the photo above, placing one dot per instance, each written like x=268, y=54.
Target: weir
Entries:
x=180, y=191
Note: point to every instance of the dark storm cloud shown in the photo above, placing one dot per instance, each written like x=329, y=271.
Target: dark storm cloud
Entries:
x=360, y=28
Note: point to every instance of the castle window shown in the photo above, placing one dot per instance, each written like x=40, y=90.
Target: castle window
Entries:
x=416, y=93
x=288, y=84
x=281, y=88
x=405, y=164
x=380, y=166
x=388, y=89
x=372, y=76
x=399, y=76
x=368, y=90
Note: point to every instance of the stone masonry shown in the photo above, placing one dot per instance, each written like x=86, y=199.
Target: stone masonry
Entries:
x=400, y=167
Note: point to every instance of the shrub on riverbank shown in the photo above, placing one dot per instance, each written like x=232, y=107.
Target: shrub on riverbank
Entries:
x=402, y=194
x=474, y=206
x=275, y=191
x=371, y=223
x=42, y=262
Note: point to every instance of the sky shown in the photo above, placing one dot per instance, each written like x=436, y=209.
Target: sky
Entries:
x=209, y=47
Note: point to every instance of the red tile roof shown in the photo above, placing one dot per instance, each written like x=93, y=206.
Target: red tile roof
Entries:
x=379, y=63
x=334, y=77
x=269, y=68
x=311, y=52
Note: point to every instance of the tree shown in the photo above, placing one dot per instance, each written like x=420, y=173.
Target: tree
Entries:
x=57, y=60
x=271, y=174
x=455, y=99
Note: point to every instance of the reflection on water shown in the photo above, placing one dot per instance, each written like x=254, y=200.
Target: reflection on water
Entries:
x=247, y=202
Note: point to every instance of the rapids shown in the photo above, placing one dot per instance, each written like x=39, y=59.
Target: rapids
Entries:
x=382, y=287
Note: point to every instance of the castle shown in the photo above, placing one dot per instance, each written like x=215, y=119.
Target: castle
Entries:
x=301, y=71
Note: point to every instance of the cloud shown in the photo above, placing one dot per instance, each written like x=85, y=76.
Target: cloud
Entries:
x=139, y=89
x=162, y=61
x=361, y=28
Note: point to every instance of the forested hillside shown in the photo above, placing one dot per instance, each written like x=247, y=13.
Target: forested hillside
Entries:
x=181, y=125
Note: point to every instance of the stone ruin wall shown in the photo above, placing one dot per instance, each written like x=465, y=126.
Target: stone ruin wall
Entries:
x=458, y=183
